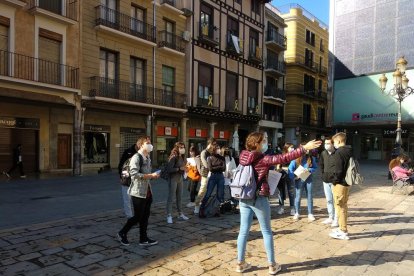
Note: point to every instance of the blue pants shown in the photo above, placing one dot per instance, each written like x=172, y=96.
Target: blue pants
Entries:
x=216, y=179
x=327, y=187
x=299, y=186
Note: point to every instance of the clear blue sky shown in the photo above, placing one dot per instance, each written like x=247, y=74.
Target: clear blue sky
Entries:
x=319, y=8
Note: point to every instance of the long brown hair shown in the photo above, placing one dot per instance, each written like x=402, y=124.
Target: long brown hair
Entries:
x=308, y=161
x=286, y=147
x=175, y=152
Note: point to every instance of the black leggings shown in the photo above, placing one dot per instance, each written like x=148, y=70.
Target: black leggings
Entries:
x=142, y=208
x=17, y=165
x=192, y=188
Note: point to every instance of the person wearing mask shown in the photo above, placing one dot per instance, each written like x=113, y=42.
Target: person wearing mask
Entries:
x=253, y=155
x=309, y=163
x=211, y=145
x=216, y=164
x=193, y=175
x=342, y=156
x=128, y=153
x=141, y=193
x=176, y=167
x=286, y=185
x=327, y=165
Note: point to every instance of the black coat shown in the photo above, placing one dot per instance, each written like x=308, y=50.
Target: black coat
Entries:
x=327, y=166
x=128, y=153
x=342, y=156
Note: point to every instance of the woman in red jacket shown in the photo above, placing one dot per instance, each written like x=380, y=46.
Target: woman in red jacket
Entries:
x=256, y=145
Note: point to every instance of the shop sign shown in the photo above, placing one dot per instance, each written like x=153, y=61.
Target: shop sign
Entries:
x=167, y=131
x=132, y=130
x=197, y=132
x=221, y=134
x=96, y=128
x=391, y=133
x=11, y=122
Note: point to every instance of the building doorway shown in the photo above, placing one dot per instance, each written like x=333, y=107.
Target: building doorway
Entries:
x=64, y=151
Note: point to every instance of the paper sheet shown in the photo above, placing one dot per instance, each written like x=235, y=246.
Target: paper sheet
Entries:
x=302, y=173
x=273, y=179
x=191, y=161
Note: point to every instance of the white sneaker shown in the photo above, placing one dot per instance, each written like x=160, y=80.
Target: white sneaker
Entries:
x=327, y=221
x=274, y=269
x=169, y=219
x=190, y=204
x=281, y=210
x=196, y=210
x=339, y=235
x=334, y=223
x=292, y=211
x=311, y=217
x=183, y=217
x=296, y=216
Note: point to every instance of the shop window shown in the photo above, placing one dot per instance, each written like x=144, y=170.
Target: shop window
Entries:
x=96, y=147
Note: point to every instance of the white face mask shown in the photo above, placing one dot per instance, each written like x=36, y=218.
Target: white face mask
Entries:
x=148, y=147
x=182, y=151
x=328, y=147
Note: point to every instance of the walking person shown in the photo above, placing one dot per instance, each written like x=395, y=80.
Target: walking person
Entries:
x=341, y=189
x=211, y=145
x=309, y=163
x=140, y=192
x=286, y=185
x=126, y=198
x=176, y=167
x=17, y=162
x=256, y=145
x=327, y=165
x=217, y=166
x=193, y=174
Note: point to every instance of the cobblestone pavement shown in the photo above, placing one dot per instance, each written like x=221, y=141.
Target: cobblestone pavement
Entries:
x=381, y=241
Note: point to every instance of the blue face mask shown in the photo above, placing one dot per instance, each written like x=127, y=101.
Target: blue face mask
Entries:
x=265, y=147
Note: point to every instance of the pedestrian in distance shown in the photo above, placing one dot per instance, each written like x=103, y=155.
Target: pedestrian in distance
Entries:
x=126, y=198
x=17, y=162
x=256, y=145
x=286, y=185
x=308, y=162
x=341, y=189
x=193, y=175
x=140, y=192
x=176, y=168
x=401, y=170
x=327, y=165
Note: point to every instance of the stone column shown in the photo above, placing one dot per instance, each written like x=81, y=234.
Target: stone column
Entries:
x=78, y=122
x=211, y=132
x=183, y=131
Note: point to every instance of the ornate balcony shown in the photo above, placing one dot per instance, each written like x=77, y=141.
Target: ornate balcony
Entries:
x=208, y=34
x=68, y=9
x=170, y=41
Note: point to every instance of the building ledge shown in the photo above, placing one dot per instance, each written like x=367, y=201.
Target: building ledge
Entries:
x=51, y=15
x=270, y=124
x=124, y=35
x=15, y=3
x=167, y=49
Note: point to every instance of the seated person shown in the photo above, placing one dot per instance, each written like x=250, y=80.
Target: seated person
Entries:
x=401, y=171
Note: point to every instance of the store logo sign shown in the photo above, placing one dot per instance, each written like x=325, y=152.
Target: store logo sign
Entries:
x=167, y=130
x=221, y=134
x=198, y=132
x=355, y=117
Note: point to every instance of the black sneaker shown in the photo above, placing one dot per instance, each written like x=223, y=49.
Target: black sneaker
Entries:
x=148, y=242
x=123, y=238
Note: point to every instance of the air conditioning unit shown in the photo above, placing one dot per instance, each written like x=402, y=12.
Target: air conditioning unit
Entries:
x=187, y=36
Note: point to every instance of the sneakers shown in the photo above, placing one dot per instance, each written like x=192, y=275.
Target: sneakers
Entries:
x=123, y=238
x=183, y=217
x=274, y=269
x=296, y=216
x=334, y=223
x=281, y=210
x=327, y=221
x=190, y=204
x=311, y=217
x=339, y=234
x=242, y=266
x=148, y=242
x=196, y=210
x=23, y=176
x=169, y=219
x=292, y=211
x=6, y=174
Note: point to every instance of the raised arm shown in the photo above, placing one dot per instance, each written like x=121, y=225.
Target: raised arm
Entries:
x=271, y=160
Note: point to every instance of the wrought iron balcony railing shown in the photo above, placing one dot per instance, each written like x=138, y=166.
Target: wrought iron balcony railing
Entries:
x=209, y=34
x=66, y=8
x=300, y=60
x=272, y=64
x=255, y=54
x=115, y=89
x=276, y=38
x=271, y=91
x=235, y=105
x=39, y=70
x=310, y=92
x=210, y=100
x=323, y=71
x=172, y=41
x=124, y=23
x=234, y=45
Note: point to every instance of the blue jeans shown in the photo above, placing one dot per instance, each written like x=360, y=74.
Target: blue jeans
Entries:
x=216, y=179
x=327, y=188
x=261, y=208
x=299, y=186
x=291, y=194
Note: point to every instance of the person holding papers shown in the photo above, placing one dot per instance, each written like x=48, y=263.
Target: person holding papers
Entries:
x=300, y=171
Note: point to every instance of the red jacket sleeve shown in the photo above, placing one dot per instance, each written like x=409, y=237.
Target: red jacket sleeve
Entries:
x=271, y=160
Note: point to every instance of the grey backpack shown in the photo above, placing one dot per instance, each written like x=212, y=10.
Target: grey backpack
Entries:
x=244, y=183
x=353, y=175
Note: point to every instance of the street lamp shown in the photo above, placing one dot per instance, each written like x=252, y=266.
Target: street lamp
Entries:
x=400, y=91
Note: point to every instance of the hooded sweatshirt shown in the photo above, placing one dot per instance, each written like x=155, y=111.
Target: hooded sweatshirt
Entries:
x=262, y=164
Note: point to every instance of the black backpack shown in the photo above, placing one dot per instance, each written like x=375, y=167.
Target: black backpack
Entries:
x=125, y=175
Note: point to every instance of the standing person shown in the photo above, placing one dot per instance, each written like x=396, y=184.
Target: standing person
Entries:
x=217, y=166
x=288, y=184
x=230, y=165
x=140, y=192
x=193, y=175
x=211, y=144
x=256, y=145
x=402, y=169
x=327, y=165
x=309, y=163
x=128, y=153
x=176, y=167
x=341, y=189
x=17, y=162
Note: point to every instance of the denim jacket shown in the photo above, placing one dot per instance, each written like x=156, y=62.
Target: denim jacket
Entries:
x=139, y=186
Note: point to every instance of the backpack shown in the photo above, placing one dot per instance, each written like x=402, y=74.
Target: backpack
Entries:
x=353, y=175
x=244, y=182
x=164, y=172
x=126, y=176
x=211, y=209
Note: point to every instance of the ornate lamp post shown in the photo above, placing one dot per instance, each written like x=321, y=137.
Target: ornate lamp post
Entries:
x=400, y=91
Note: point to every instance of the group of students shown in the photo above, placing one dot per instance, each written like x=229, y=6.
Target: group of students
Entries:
x=215, y=167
